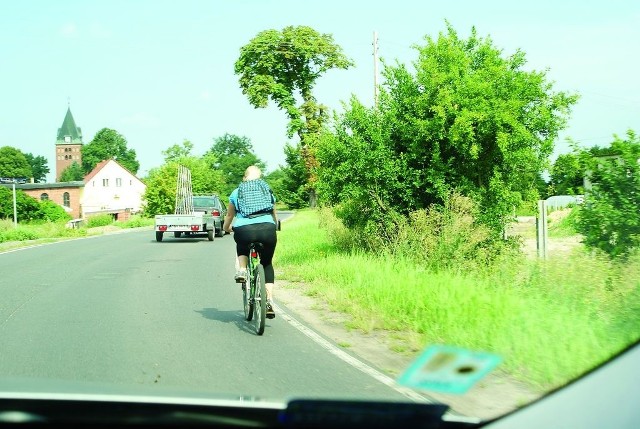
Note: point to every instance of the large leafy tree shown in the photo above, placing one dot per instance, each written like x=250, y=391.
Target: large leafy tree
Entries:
x=294, y=185
x=160, y=194
x=609, y=218
x=233, y=155
x=13, y=163
x=177, y=151
x=284, y=66
x=467, y=119
x=72, y=173
x=27, y=208
x=108, y=144
x=39, y=167
x=567, y=175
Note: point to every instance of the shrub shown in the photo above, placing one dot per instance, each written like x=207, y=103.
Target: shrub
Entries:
x=439, y=237
x=52, y=212
x=99, y=220
x=609, y=218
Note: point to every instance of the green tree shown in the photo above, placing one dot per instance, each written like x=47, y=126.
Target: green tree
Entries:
x=108, y=144
x=177, y=151
x=39, y=167
x=233, y=155
x=284, y=66
x=73, y=172
x=160, y=194
x=609, y=218
x=275, y=180
x=295, y=181
x=468, y=119
x=567, y=175
x=27, y=208
x=52, y=212
x=13, y=163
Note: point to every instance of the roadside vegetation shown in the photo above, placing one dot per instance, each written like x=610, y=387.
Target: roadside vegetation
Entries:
x=550, y=321
x=417, y=194
x=34, y=232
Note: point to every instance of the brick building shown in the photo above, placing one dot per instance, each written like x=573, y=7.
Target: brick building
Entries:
x=66, y=194
x=68, y=144
x=108, y=189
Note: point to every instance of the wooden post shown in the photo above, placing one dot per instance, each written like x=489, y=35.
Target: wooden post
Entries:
x=541, y=229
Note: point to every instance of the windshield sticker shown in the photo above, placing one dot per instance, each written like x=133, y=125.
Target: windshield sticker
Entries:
x=448, y=369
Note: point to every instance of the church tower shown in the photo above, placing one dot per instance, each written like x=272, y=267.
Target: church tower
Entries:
x=68, y=144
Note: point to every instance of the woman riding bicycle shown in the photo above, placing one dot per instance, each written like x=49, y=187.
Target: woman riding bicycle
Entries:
x=251, y=229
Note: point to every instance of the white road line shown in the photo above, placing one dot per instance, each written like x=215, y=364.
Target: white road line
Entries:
x=356, y=363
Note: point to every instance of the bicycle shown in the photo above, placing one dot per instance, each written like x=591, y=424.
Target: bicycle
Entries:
x=255, y=296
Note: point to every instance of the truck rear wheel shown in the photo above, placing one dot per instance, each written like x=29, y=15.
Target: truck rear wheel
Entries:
x=159, y=235
x=210, y=235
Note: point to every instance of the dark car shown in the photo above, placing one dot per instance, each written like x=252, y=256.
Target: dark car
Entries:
x=211, y=205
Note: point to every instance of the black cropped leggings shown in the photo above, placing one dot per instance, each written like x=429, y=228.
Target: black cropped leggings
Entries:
x=264, y=233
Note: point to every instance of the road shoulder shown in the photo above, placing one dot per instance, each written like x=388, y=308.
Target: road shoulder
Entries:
x=494, y=396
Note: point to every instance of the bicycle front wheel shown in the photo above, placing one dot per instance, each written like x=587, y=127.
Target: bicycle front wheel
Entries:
x=260, y=301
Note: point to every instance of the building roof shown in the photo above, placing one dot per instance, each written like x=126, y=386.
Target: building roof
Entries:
x=95, y=170
x=76, y=184
x=101, y=165
x=69, y=128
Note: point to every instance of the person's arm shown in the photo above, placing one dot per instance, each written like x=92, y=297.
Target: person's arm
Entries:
x=228, y=219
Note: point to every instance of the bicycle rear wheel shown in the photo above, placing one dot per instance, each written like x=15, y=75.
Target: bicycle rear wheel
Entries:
x=247, y=301
x=260, y=302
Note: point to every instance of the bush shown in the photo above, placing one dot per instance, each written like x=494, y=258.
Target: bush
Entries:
x=52, y=212
x=436, y=238
x=609, y=218
x=135, y=221
x=99, y=220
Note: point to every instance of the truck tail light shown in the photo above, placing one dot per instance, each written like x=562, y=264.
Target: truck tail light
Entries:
x=162, y=227
x=195, y=227
x=215, y=212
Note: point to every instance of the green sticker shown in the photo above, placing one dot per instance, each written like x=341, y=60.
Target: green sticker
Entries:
x=448, y=369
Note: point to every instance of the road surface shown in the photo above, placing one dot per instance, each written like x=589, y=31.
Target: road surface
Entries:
x=125, y=310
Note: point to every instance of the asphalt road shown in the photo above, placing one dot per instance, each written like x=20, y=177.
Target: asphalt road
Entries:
x=125, y=310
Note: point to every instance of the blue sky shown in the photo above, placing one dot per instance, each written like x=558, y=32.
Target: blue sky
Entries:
x=160, y=72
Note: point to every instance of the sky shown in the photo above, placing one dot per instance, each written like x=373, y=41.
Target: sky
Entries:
x=161, y=72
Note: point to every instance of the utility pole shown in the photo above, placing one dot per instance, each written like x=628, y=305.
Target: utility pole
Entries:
x=375, y=69
x=15, y=211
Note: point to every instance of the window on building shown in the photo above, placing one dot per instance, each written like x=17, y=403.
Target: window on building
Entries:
x=66, y=200
x=118, y=181
x=44, y=196
x=105, y=182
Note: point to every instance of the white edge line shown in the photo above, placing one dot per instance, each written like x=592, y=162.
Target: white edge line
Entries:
x=354, y=362
x=450, y=415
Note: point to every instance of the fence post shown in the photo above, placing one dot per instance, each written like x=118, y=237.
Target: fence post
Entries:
x=541, y=229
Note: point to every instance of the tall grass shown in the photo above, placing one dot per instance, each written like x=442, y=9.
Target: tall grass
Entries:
x=27, y=232
x=551, y=321
x=35, y=231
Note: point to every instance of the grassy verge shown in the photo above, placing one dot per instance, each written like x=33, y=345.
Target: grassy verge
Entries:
x=550, y=322
x=26, y=234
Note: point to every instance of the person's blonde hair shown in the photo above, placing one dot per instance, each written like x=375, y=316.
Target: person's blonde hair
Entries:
x=252, y=172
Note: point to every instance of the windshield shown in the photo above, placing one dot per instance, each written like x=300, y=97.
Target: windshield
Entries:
x=456, y=191
x=204, y=202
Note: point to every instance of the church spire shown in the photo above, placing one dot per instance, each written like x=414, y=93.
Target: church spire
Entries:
x=69, y=130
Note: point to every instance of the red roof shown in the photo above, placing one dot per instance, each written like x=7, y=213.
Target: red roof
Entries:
x=101, y=165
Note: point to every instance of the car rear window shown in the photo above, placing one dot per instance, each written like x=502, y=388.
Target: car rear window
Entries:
x=204, y=202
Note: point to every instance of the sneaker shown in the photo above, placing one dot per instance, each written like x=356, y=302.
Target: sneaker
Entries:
x=270, y=313
x=241, y=275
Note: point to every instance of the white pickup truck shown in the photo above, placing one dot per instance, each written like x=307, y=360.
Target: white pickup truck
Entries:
x=184, y=225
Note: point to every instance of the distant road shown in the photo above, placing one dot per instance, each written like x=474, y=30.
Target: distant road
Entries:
x=124, y=309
